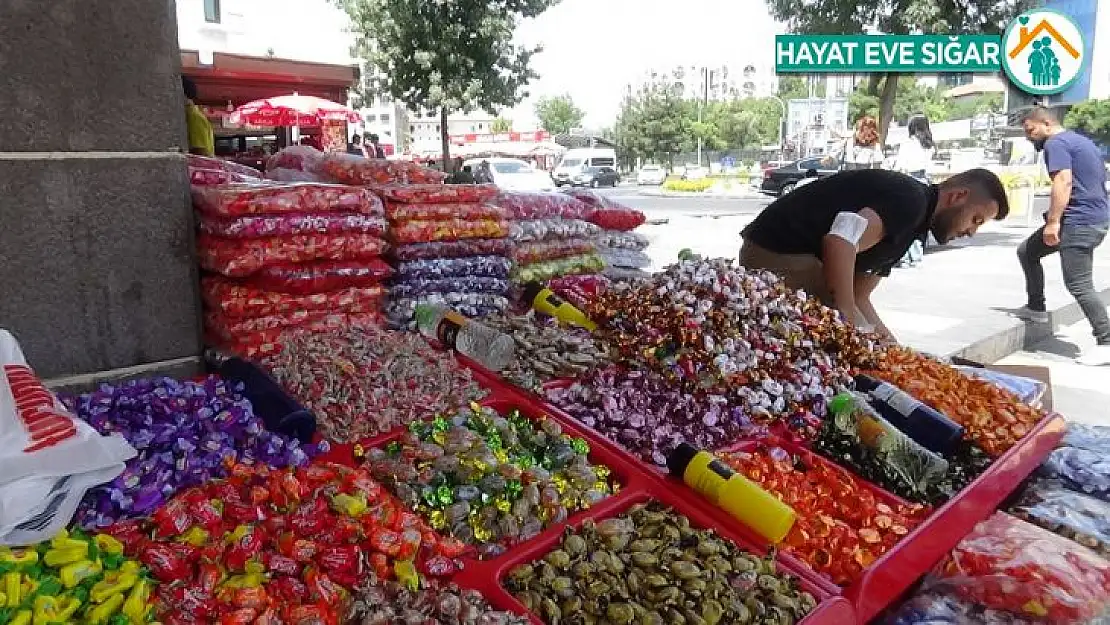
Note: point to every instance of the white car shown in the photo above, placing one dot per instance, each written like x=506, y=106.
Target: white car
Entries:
x=694, y=172
x=651, y=174
x=513, y=174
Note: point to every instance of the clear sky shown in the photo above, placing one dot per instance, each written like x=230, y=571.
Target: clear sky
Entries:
x=593, y=48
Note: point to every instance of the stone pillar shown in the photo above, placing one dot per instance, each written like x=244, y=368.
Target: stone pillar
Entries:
x=97, y=266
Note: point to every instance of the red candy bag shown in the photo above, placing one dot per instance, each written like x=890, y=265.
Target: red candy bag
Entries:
x=235, y=300
x=436, y=193
x=261, y=226
x=242, y=258
x=322, y=276
x=399, y=211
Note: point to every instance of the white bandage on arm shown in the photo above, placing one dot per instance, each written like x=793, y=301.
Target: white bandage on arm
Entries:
x=849, y=226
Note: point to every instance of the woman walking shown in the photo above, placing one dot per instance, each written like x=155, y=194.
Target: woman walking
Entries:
x=863, y=150
x=915, y=154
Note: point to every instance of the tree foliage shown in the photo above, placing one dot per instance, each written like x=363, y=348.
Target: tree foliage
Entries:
x=501, y=125
x=450, y=56
x=895, y=17
x=558, y=114
x=1092, y=118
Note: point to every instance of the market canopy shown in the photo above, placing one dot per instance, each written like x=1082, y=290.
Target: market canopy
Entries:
x=292, y=110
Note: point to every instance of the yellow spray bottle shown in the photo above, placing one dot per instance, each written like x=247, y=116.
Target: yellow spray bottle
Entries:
x=736, y=494
x=544, y=300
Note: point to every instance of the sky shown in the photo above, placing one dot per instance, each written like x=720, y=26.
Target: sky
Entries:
x=594, y=48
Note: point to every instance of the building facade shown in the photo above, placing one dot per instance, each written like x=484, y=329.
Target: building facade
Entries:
x=713, y=83
x=425, y=128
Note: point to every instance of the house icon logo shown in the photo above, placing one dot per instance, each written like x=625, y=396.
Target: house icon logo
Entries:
x=1043, y=52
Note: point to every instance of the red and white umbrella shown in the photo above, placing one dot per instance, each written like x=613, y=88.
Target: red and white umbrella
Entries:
x=292, y=110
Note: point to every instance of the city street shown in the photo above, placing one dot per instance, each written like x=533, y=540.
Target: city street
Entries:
x=954, y=303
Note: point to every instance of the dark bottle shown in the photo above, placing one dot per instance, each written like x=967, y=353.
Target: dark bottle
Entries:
x=931, y=429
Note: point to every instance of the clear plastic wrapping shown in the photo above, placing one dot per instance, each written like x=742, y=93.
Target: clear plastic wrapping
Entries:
x=473, y=305
x=264, y=343
x=452, y=249
x=539, y=251
x=437, y=193
x=523, y=205
x=208, y=162
x=440, y=268
x=545, y=229
x=1008, y=564
x=241, y=258
x=1081, y=469
x=236, y=301
x=260, y=226
x=417, y=287
x=1027, y=390
x=212, y=177
x=1077, y=517
x=622, y=240
x=354, y=169
x=302, y=158
x=400, y=211
x=571, y=265
x=421, y=231
x=945, y=608
x=228, y=329
x=628, y=259
x=1090, y=437
x=321, y=276
x=293, y=175
x=617, y=218
x=270, y=198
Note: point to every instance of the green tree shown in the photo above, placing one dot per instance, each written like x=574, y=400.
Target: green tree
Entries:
x=895, y=17
x=558, y=114
x=654, y=125
x=501, y=125
x=451, y=56
x=965, y=108
x=1092, y=118
x=795, y=86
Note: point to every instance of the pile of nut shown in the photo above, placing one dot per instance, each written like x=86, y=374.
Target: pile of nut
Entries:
x=650, y=567
x=547, y=351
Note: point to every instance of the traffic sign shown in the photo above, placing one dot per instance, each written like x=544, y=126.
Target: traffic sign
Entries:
x=727, y=161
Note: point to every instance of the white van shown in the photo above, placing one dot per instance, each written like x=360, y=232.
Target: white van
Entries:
x=574, y=161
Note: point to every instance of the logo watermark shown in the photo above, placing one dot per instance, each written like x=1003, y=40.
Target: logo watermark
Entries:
x=1043, y=52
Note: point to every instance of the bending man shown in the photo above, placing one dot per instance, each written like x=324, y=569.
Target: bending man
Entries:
x=839, y=236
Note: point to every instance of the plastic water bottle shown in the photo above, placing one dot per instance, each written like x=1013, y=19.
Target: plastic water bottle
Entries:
x=490, y=348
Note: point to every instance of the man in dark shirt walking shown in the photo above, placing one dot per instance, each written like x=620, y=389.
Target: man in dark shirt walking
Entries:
x=839, y=236
x=1076, y=224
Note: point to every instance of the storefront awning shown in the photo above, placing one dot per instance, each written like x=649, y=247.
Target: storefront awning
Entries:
x=237, y=79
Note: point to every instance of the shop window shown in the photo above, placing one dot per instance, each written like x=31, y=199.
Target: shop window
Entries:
x=371, y=118
x=480, y=126
x=212, y=11
x=385, y=118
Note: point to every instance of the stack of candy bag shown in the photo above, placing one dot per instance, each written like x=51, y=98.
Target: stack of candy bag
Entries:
x=449, y=247
x=206, y=171
x=280, y=255
x=551, y=237
x=617, y=244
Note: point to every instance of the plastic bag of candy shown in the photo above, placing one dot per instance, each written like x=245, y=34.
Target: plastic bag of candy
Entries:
x=629, y=259
x=354, y=169
x=539, y=272
x=622, y=240
x=555, y=228
x=579, y=289
x=235, y=300
x=269, y=198
x=1008, y=564
x=212, y=177
x=437, y=193
x=208, y=162
x=227, y=328
x=400, y=211
x=537, y=251
x=461, y=284
x=439, y=268
x=945, y=608
x=1028, y=390
x=617, y=218
x=1081, y=469
x=260, y=226
x=321, y=276
x=592, y=199
x=1055, y=507
x=421, y=231
x=241, y=258
x=473, y=305
x=265, y=343
x=303, y=158
x=292, y=175
x=452, y=249
x=522, y=205
x=1090, y=437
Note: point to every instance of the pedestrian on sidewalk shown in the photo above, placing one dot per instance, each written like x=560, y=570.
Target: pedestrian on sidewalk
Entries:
x=915, y=154
x=837, y=237
x=1076, y=223
x=863, y=150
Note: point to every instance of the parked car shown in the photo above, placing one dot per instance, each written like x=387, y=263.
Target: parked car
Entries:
x=596, y=177
x=651, y=174
x=783, y=180
x=573, y=161
x=694, y=172
x=513, y=174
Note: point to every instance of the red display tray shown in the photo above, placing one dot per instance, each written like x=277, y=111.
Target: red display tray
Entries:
x=487, y=576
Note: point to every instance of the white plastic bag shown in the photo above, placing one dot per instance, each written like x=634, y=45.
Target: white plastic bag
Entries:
x=48, y=457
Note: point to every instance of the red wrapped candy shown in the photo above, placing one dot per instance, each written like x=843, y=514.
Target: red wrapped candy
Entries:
x=237, y=301
x=437, y=193
x=275, y=198
x=354, y=169
x=242, y=258
x=401, y=211
x=262, y=226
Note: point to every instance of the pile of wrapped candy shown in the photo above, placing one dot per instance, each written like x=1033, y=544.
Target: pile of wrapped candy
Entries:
x=450, y=248
x=550, y=235
x=620, y=247
x=185, y=433
x=281, y=255
x=280, y=545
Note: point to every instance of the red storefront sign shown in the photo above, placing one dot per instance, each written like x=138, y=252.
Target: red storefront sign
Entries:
x=502, y=137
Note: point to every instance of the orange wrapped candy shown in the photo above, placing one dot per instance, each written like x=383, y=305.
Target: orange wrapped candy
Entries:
x=421, y=231
x=995, y=419
x=238, y=301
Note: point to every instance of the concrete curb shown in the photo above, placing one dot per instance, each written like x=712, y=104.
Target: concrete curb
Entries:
x=1023, y=335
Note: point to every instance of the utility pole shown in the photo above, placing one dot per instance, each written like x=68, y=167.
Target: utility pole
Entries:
x=704, y=80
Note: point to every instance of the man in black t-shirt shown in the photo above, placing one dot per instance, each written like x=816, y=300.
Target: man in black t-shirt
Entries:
x=837, y=237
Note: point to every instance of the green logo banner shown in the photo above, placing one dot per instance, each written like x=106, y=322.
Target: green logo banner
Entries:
x=851, y=54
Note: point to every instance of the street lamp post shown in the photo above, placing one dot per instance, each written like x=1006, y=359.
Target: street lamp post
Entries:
x=782, y=120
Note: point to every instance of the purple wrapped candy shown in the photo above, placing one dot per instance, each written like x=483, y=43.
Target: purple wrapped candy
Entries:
x=649, y=417
x=452, y=249
x=440, y=268
x=415, y=287
x=184, y=433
